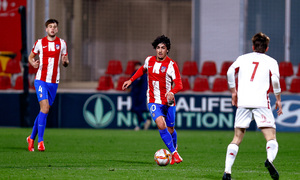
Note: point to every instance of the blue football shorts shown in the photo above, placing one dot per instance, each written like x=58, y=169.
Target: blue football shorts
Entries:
x=168, y=112
x=45, y=90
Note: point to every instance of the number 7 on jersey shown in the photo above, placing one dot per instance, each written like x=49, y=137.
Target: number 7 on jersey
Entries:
x=254, y=71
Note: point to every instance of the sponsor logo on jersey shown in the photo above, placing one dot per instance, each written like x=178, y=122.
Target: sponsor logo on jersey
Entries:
x=99, y=111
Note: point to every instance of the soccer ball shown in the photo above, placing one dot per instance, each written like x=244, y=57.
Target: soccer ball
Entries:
x=162, y=157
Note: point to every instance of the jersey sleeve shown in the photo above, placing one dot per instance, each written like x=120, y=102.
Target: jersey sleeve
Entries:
x=231, y=73
x=175, y=74
x=64, y=49
x=36, y=47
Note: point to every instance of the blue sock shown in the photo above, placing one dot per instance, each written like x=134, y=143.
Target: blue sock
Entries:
x=42, y=125
x=167, y=138
x=35, y=128
x=174, y=136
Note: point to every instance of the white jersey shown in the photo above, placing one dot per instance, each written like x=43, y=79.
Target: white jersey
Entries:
x=254, y=72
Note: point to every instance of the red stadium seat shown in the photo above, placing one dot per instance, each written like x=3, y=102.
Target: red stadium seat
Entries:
x=220, y=85
x=190, y=68
x=121, y=80
x=105, y=83
x=19, y=83
x=186, y=84
x=201, y=84
x=1, y=70
x=5, y=82
x=295, y=85
x=130, y=68
x=224, y=67
x=209, y=68
x=13, y=67
x=31, y=69
x=286, y=69
x=114, y=67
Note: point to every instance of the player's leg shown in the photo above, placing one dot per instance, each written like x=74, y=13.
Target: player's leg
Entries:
x=170, y=121
x=266, y=122
x=242, y=122
x=233, y=148
x=157, y=114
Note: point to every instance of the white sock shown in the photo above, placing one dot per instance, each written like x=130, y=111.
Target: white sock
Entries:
x=232, y=151
x=272, y=149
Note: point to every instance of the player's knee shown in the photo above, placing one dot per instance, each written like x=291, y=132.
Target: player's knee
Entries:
x=45, y=109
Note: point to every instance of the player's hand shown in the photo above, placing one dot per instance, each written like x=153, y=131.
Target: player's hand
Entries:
x=65, y=60
x=234, y=99
x=279, y=106
x=126, y=84
x=169, y=95
x=35, y=63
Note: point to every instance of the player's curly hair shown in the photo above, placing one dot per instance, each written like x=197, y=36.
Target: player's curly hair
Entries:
x=260, y=42
x=50, y=21
x=162, y=39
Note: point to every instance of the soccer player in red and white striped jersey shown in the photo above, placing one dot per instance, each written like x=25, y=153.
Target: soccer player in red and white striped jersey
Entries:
x=51, y=50
x=162, y=72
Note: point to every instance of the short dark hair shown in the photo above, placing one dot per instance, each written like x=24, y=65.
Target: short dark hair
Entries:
x=162, y=39
x=260, y=42
x=50, y=21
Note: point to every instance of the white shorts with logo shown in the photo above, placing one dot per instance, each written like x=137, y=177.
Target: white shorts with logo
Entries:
x=263, y=117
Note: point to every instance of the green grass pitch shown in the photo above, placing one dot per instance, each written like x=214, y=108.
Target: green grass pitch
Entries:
x=127, y=154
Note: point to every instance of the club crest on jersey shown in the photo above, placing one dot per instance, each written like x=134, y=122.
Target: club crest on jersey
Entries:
x=57, y=46
x=163, y=69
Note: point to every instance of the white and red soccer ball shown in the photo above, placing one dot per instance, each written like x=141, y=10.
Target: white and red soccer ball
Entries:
x=162, y=157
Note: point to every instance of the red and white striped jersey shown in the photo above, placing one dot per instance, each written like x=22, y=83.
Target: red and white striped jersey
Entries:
x=161, y=75
x=50, y=54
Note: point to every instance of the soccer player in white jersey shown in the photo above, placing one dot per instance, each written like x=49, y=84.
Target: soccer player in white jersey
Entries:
x=52, y=50
x=252, y=100
x=162, y=73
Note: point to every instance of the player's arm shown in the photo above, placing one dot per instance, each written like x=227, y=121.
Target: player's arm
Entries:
x=136, y=75
x=277, y=92
x=34, y=62
x=231, y=83
x=65, y=60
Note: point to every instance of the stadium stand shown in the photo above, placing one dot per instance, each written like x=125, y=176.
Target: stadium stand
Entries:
x=190, y=68
x=201, y=84
x=120, y=82
x=18, y=83
x=220, y=85
x=130, y=67
x=105, y=83
x=286, y=69
x=186, y=84
x=31, y=69
x=5, y=82
x=295, y=85
x=224, y=67
x=209, y=68
x=13, y=67
x=114, y=67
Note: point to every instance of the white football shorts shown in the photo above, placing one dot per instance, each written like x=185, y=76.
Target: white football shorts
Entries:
x=263, y=117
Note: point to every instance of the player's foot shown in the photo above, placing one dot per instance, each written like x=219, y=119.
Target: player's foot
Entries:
x=273, y=172
x=226, y=176
x=137, y=128
x=30, y=143
x=176, y=158
x=41, y=146
x=147, y=124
